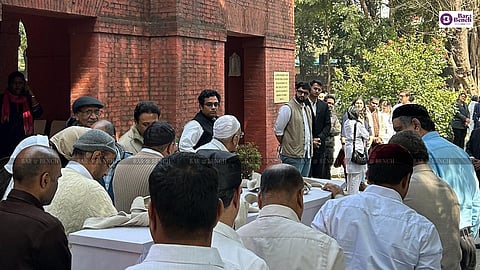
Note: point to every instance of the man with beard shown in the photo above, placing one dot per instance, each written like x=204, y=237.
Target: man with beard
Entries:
x=293, y=130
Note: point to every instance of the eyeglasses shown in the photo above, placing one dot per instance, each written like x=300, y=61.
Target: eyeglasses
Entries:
x=90, y=112
x=108, y=163
x=211, y=104
x=402, y=95
x=374, y=103
x=303, y=93
x=331, y=103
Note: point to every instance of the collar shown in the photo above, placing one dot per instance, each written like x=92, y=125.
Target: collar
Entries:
x=20, y=195
x=151, y=151
x=227, y=231
x=311, y=101
x=383, y=191
x=277, y=210
x=136, y=133
x=184, y=254
x=430, y=134
x=219, y=145
x=421, y=168
x=79, y=168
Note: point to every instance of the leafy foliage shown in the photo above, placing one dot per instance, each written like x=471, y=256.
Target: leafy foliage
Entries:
x=250, y=158
x=405, y=64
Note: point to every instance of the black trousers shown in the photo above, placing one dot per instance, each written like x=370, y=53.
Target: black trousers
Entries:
x=459, y=137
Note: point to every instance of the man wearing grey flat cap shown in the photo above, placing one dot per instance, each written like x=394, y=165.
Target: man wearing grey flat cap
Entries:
x=86, y=111
x=227, y=133
x=80, y=195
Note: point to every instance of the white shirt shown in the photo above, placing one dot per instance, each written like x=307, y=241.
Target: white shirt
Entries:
x=377, y=231
x=284, y=114
x=278, y=237
x=79, y=168
x=214, y=144
x=231, y=249
x=190, y=136
x=173, y=257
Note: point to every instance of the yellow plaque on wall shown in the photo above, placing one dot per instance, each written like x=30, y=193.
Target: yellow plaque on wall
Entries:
x=281, y=85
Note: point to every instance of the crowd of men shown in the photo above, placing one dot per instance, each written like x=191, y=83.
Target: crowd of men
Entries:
x=419, y=211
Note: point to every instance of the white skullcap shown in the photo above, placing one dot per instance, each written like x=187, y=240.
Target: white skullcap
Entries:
x=29, y=141
x=225, y=127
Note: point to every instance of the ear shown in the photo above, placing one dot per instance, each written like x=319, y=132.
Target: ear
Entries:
x=220, y=210
x=404, y=184
x=96, y=155
x=152, y=217
x=236, y=197
x=416, y=124
x=44, y=180
x=299, y=199
x=259, y=199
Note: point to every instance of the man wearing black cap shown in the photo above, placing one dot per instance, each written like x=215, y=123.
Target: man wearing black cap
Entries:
x=131, y=175
x=225, y=239
x=453, y=165
x=86, y=111
x=374, y=228
x=79, y=194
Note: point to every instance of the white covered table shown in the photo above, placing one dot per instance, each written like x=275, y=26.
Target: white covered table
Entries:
x=113, y=248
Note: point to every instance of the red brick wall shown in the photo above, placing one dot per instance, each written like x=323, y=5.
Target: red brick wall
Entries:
x=167, y=51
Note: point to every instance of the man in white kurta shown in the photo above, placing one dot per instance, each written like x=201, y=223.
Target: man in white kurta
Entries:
x=375, y=229
x=225, y=239
x=278, y=236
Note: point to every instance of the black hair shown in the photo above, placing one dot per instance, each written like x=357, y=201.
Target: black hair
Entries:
x=413, y=143
x=145, y=107
x=302, y=85
x=315, y=82
x=206, y=94
x=183, y=190
x=13, y=75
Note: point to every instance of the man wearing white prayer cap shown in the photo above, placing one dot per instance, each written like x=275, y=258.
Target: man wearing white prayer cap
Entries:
x=227, y=133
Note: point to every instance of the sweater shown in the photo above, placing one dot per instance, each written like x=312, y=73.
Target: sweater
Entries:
x=77, y=199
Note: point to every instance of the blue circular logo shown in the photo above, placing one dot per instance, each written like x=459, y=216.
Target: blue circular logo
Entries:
x=446, y=19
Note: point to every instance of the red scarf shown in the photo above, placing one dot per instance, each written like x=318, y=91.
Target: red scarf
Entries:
x=17, y=100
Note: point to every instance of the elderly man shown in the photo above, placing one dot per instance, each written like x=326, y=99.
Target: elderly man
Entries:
x=80, y=195
x=277, y=236
x=293, y=129
x=433, y=198
x=109, y=128
x=32, y=238
x=225, y=239
x=181, y=226
x=86, y=111
x=145, y=113
x=199, y=130
x=226, y=134
x=374, y=228
x=131, y=175
x=451, y=164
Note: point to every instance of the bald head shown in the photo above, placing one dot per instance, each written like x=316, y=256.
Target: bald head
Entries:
x=106, y=126
x=36, y=170
x=282, y=184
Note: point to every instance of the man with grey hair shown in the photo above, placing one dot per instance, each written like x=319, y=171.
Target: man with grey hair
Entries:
x=80, y=195
x=433, y=198
x=226, y=134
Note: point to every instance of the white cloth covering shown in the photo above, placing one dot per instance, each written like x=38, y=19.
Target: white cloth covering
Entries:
x=176, y=257
x=278, y=237
x=231, y=249
x=376, y=230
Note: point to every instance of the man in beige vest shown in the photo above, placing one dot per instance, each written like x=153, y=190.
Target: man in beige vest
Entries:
x=293, y=130
x=131, y=175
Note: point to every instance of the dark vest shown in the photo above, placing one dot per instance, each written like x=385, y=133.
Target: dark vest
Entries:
x=207, y=125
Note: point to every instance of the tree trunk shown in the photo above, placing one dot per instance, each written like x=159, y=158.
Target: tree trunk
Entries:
x=460, y=51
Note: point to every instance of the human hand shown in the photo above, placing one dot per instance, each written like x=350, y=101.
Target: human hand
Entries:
x=334, y=189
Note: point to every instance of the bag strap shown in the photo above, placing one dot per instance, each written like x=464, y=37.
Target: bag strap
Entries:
x=354, y=135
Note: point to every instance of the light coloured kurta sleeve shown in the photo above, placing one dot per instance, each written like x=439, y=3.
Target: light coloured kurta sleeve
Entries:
x=190, y=136
x=431, y=252
x=336, y=258
x=476, y=212
x=284, y=114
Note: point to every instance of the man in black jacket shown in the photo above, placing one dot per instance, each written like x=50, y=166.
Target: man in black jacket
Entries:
x=321, y=129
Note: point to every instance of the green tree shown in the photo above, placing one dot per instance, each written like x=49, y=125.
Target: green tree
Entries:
x=409, y=64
